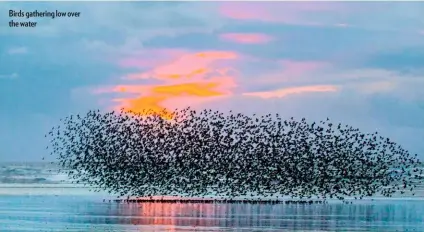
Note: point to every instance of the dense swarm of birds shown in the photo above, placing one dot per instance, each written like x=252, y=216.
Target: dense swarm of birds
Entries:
x=199, y=153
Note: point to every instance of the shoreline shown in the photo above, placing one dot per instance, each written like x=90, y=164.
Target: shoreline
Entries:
x=220, y=201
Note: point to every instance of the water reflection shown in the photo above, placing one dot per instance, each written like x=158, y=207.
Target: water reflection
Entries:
x=395, y=216
x=66, y=214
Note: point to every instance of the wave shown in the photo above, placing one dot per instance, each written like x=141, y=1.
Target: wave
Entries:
x=31, y=173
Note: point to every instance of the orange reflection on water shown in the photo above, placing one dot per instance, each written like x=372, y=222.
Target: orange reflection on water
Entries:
x=173, y=215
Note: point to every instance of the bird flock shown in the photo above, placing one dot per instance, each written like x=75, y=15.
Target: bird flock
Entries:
x=200, y=153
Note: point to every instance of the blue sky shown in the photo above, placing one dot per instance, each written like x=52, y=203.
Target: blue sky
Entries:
x=358, y=63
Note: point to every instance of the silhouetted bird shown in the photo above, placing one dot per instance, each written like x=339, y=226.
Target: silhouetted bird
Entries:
x=198, y=153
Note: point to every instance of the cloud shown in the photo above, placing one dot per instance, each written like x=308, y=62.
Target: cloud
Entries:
x=190, y=65
x=376, y=87
x=247, y=38
x=286, y=72
x=157, y=98
x=279, y=93
x=249, y=12
x=297, y=68
x=185, y=78
x=9, y=76
x=396, y=17
x=17, y=50
x=304, y=73
x=131, y=45
x=281, y=12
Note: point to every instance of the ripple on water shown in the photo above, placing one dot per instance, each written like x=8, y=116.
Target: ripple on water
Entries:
x=89, y=213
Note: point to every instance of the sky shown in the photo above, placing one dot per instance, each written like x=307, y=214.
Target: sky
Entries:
x=358, y=63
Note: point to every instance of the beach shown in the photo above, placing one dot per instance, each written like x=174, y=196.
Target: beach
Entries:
x=55, y=204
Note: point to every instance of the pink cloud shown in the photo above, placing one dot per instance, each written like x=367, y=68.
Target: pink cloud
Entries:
x=248, y=11
x=247, y=38
x=251, y=11
x=285, y=12
x=298, y=68
x=294, y=90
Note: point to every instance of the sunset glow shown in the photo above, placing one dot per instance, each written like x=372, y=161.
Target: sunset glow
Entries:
x=184, y=80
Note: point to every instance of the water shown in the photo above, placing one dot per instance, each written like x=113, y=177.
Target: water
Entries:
x=31, y=199
x=88, y=213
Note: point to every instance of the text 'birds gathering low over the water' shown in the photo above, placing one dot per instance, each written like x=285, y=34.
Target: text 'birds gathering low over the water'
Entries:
x=199, y=153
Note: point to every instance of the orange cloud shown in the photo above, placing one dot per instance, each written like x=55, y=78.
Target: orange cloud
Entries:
x=155, y=98
x=247, y=38
x=187, y=79
x=193, y=89
x=295, y=90
x=142, y=104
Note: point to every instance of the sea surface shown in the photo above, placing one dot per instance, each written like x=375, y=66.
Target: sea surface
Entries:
x=34, y=198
